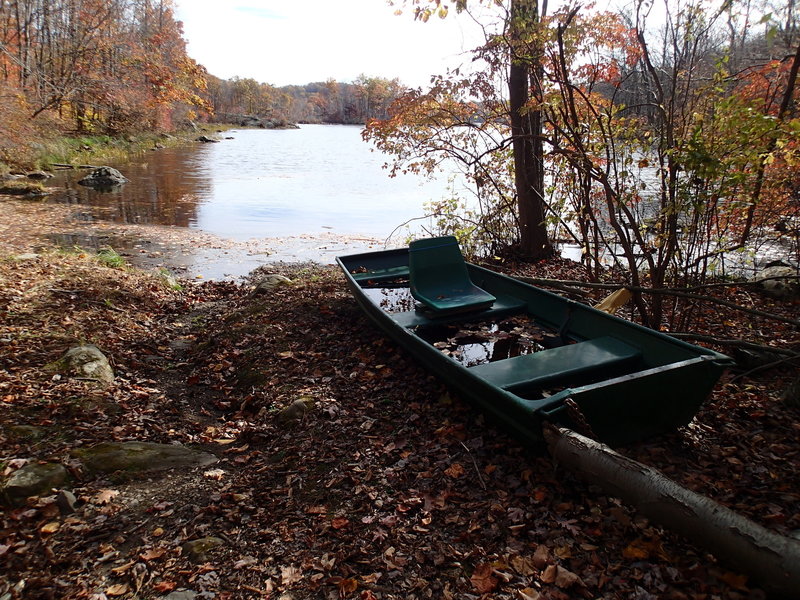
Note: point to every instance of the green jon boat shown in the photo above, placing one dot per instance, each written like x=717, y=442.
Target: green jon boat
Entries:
x=526, y=355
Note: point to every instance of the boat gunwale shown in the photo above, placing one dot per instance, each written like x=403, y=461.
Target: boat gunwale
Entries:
x=700, y=366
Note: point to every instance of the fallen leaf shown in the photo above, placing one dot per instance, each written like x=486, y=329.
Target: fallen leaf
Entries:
x=164, y=586
x=483, y=579
x=118, y=589
x=523, y=565
x=290, y=575
x=51, y=527
x=550, y=573
x=105, y=496
x=152, y=554
x=347, y=586
x=566, y=579
x=122, y=568
x=455, y=470
x=528, y=594
x=541, y=558
x=736, y=581
x=340, y=523
x=216, y=474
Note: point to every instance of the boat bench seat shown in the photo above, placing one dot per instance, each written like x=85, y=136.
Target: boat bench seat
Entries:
x=379, y=275
x=583, y=358
x=504, y=306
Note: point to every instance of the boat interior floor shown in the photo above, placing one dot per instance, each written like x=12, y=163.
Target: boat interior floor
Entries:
x=504, y=306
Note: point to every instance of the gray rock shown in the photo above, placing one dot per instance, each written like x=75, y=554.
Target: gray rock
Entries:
x=780, y=288
x=140, y=457
x=270, y=282
x=104, y=178
x=27, y=256
x=85, y=361
x=207, y=140
x=34, y=480
x=197, y=550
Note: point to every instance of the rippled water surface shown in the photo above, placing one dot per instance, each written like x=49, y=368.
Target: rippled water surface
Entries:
x=263, y=183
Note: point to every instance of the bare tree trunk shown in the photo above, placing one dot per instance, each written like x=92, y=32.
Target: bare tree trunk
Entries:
x=526, y=131
x=771, y=560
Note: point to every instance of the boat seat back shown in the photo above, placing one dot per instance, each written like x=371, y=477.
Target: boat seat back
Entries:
x=438, y=277
x=603, y=354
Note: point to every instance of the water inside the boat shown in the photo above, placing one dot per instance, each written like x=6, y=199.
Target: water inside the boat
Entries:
x=475, y=342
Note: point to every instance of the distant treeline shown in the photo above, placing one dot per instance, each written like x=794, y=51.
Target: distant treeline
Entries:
x=121, y=67
x=322, y=102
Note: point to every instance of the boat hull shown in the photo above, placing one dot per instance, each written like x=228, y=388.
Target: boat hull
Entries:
x=627, y=382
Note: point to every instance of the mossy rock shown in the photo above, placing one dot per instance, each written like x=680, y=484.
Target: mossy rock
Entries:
x=296, y=410
x=24, y=432
x=140, y=457
x=269, y=282
x=197, y=550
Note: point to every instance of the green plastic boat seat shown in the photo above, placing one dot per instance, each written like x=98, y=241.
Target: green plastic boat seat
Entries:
x=583, y=358
x=439, y=279
x=384, y=274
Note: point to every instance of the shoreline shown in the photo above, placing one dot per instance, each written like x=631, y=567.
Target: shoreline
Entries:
x=33, y=225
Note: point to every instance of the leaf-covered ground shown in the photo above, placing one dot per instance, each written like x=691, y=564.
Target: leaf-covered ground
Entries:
x=386, y=487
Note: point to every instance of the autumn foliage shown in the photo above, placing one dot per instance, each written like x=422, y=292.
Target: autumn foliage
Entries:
x=98, y=66
x=671, y=148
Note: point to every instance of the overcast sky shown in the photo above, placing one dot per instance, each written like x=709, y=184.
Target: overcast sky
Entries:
x=285, y=42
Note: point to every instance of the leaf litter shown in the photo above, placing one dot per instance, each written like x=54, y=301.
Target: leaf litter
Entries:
x=387, y=486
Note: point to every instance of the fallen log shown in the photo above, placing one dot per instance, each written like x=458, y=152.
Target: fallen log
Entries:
x=67, y=166
x=769, y=559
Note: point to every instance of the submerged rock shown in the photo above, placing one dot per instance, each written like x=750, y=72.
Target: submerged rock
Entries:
x=141, y=457
x=104, y=178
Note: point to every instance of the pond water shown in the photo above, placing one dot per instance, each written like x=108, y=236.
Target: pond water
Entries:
x=309, y=192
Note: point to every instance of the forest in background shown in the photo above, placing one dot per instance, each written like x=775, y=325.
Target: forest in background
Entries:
x=120, y=67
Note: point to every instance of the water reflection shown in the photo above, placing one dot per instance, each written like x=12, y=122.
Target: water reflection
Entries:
x=164, y=189
x=262, y=184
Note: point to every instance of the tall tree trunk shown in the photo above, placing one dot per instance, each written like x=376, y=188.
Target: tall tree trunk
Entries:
x=526, y=130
